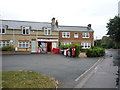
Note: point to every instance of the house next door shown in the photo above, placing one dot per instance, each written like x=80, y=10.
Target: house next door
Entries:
x=33, y=46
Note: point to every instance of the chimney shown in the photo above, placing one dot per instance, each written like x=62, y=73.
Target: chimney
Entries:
x=53, y=23
x=89, y=26
x=56, y=23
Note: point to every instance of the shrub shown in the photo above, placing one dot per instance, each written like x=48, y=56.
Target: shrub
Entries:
x=95, y=52
x=7, y=48
x=77, y=50
x=64, y=46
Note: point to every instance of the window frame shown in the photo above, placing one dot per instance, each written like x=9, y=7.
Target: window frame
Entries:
x=23, y=44
x=47, y=31
x=65, y=43
x=86, y=45
x=85, y=35
x=1, y=30
x=6, y=43
x=76, y=36
x=27, y=30
x=65, y=34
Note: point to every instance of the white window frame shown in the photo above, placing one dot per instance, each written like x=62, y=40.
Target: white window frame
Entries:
x=85, y=35
x=23, y=44
x=4, y=43
x=65, y=43
x=76, y=35
x=47, y=31
x=65, y=34
x=1, y=30
x=86, y=45
x=25, y=28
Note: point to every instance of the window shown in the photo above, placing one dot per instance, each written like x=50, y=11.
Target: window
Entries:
x=86, y=45
x=65, y=34
x=65, y=43
x=85, y=35
x=3, y=30
x=24, y=44
x=25, y=30
x=4, y=43
x=47, y=31
x=75, y=35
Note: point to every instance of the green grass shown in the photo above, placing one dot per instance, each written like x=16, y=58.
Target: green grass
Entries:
x=26, y=79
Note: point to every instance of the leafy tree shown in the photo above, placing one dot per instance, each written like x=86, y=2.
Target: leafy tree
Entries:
x=114, y=29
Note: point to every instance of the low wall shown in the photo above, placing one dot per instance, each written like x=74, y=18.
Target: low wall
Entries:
x=15, y=52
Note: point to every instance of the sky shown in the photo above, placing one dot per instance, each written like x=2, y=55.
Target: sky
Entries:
x=67, y=12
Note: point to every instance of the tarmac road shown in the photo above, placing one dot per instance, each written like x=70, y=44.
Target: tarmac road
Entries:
x=64, y=69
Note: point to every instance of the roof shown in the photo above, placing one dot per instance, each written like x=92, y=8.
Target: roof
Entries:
x=15, y=24
x=75, y=28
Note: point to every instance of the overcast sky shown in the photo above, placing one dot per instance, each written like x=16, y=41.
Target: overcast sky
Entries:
x=67, y=12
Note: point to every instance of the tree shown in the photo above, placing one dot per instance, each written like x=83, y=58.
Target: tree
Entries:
x=114, y=29
x=107, y=42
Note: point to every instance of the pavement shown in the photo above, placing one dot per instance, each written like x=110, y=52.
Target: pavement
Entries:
x=103, y=75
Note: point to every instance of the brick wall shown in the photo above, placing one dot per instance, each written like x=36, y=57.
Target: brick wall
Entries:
x=76, y=40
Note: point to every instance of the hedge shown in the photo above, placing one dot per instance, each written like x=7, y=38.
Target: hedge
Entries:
x=77, y=50
x=7, y=48
x=95, y=52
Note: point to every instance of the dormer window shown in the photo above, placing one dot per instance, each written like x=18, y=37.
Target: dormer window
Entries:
x=25, y=30
x=3, y=30
x=47, y=31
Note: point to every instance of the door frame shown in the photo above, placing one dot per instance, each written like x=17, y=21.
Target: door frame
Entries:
x=35, y=47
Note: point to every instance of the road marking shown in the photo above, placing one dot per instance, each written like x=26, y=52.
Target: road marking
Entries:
x=88, y=70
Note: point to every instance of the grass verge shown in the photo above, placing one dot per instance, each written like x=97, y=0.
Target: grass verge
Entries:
x=26, y=79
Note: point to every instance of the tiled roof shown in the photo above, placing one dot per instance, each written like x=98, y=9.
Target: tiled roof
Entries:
x=14, y=24
x=74, y=28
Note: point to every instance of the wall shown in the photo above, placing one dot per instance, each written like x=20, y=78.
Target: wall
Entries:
x=76, y=40
x=16, y=35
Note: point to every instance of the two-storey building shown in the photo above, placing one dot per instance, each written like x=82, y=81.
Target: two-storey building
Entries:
x=28, y=36
x=82, y=35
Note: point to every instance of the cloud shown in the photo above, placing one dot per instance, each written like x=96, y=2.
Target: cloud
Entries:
x=68, y=12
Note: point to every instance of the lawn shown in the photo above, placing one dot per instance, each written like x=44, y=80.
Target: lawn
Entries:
x=26, y=79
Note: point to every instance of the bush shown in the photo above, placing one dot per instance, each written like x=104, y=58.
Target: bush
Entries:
x=77, y=50
x=95, y=52
x=7, y=48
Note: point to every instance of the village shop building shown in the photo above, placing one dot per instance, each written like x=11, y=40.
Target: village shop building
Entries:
x=28, y=36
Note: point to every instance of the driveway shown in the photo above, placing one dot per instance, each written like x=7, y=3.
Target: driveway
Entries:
x=64, y=69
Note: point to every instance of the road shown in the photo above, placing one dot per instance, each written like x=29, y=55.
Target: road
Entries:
x=64, y=69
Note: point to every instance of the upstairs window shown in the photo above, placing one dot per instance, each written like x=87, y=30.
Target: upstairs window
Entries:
x=3, y=30
x=47, y=31
x=85, y=35
x=65, y=34
x=75, y=35
x=25, y=30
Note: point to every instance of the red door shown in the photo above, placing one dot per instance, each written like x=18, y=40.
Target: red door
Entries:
x=49, y=46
